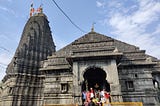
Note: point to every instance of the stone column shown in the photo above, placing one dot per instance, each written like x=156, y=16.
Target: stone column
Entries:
x=113, y=79
x=76, y=84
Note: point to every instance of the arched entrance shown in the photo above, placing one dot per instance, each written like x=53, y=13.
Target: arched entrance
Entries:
x=95, y=78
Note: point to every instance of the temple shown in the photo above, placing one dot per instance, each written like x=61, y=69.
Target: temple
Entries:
x=39, y=75
x=23, y=82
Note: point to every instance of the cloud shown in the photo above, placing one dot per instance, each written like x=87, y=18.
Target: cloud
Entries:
x=114, y=4
x=147, y=13
x=2, y=71
x=9, y=0
x=140, y=26
x=6, y=1
x=8, y=10
x=4, y=59
x=3, y=8
x=100, y=4
x=157, y=30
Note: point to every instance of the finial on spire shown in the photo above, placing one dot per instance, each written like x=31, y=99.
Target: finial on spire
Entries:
x=31, y=10
x=40, y=9
x=92, y=29
x=37, y=11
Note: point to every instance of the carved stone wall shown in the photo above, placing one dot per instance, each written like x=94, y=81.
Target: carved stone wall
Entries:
x=58, y=87
x=143, y=89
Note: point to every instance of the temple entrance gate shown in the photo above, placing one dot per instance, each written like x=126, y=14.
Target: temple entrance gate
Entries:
x=95, y=78
x=87, y=73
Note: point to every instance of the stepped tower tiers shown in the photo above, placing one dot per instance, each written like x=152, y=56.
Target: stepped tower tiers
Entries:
x=23, y=81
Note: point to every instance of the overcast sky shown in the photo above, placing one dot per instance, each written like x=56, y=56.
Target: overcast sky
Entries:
x=136, y=22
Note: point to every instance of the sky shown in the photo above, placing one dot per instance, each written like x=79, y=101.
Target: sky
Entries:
x=136, y=22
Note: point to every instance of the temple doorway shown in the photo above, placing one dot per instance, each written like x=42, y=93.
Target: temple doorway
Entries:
x=95, y=78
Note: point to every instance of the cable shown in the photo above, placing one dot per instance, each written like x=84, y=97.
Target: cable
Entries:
x=4, y=49
x=1, y=66
x=68, y=17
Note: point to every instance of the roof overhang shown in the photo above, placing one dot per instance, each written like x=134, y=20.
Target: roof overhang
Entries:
x=94, y=57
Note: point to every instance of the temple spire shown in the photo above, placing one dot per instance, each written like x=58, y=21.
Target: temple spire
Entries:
x=36, y=43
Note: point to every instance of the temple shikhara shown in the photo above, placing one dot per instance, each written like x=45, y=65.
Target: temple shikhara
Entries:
x=39, y=75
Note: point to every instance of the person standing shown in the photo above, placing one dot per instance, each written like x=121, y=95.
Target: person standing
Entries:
x=92, y=92
x=88, y=96
x=107, y=96
x=84, y=97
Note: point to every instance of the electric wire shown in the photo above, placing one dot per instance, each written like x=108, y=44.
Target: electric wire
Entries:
x=68, y=17
x=3, y=64
x=2, y=67
x=4, y=49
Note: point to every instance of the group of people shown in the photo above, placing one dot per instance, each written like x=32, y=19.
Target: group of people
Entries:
x=95, y=97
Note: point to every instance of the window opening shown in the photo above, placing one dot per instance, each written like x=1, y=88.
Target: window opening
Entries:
x=130, y=85
x=64, y=87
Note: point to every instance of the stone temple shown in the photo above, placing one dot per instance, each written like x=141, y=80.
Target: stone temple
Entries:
x=39, y=75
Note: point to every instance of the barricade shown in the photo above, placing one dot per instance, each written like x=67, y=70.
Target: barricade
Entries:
x=104, y=104
x=123, y=104
x=61, y=105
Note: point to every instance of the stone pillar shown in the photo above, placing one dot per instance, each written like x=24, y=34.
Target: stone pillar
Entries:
x=76, y=84
x=113, y=79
